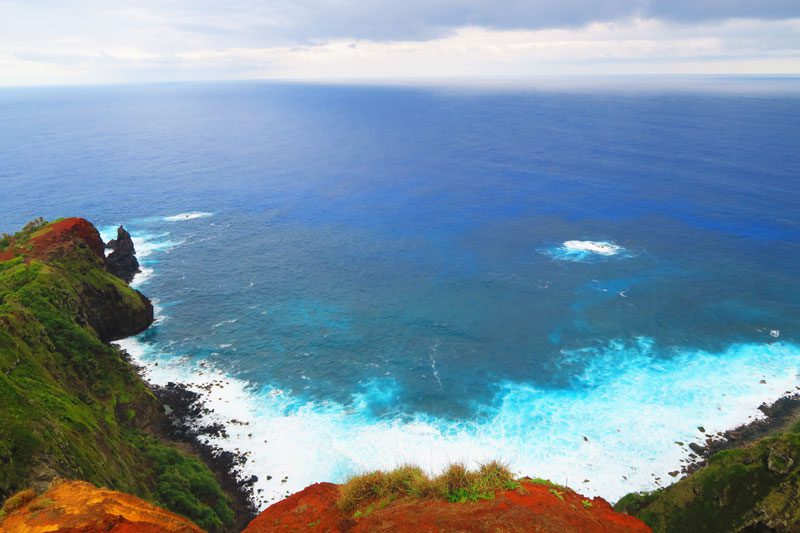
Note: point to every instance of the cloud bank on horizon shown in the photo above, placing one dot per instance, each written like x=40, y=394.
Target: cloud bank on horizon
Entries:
x=92, y=41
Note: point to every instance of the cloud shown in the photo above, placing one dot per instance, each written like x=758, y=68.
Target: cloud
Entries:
x=92, y=40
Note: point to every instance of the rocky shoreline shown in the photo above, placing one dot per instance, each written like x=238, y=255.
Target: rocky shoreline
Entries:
x=777, y=416
x=183, y=409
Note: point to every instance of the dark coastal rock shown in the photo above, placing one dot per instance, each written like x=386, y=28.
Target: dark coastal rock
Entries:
x=777, y=415
x=112, y=314
x=122, y=260
x=696, y=448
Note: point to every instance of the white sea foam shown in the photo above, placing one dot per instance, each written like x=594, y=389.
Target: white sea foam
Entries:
x=629, y=404
x=585, y=250
x=596, y=247
x=187, y=216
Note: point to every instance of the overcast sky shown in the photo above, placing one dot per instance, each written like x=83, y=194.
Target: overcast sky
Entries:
x=102, y=41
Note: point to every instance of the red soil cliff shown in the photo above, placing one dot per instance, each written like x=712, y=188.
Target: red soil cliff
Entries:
x=77, y=506
x=55, y=236
x=533, y=507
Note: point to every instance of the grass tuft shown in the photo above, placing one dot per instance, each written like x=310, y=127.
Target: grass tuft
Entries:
x=18, y=500
x=456, y=484
x=40, y=504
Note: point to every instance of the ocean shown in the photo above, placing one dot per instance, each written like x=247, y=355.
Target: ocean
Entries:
x=570, y=279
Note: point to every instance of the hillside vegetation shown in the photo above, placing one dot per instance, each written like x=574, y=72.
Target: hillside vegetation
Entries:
x=71, y=406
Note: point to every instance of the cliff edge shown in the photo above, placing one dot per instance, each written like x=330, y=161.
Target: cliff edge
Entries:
x=532, y=506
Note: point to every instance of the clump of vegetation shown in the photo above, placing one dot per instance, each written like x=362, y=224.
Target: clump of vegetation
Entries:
x=34, y=224
x=22, y=236
x=16, y=501
x=5, y=241
x=456, y=484
x=40, y=504
x=542, y=481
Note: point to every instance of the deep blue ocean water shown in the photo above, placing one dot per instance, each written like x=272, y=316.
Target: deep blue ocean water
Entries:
x=373, y=275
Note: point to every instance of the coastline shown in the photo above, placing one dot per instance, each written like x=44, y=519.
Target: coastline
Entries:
x=180, y=424
x=778, y=415
x=184, y=408
x=181, y=407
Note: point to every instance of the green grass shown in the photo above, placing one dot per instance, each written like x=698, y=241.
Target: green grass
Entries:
x=455, y=484
x=18, y=500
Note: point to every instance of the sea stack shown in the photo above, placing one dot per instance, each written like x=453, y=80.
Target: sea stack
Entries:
x=122, y=260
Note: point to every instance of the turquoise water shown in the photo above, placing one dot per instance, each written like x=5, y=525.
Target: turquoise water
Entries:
x=568, y=280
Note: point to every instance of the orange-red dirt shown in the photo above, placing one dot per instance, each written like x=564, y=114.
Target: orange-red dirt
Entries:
x=532, y=508
x=55, y=236
x=77, y=506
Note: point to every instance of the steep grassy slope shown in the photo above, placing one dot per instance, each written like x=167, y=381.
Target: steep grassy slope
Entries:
x=70, y=405
x=751, y=488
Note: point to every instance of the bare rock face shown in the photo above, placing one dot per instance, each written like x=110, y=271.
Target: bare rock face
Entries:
x=122, y=260
x=73, y=506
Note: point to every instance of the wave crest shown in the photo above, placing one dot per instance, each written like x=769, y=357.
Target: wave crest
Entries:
x=575, y=250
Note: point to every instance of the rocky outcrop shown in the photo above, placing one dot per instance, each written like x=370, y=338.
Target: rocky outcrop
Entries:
x=74, y=506
x=533, y=506
x=74, y=246
x=122, y=260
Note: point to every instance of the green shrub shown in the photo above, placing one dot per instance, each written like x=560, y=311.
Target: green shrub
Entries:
x=186, y=486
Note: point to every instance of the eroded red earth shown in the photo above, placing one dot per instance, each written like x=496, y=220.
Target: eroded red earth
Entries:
x=77, y=506
x=54, y=237
x=532, y=508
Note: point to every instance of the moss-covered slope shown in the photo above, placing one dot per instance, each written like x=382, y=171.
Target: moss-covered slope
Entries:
x=70, y=405
x=751, y=488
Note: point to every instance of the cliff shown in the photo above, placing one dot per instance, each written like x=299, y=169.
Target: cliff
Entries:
x=533, y=505
x=71, y=405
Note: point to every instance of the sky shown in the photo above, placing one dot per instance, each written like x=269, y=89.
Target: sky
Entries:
x=52, y=42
